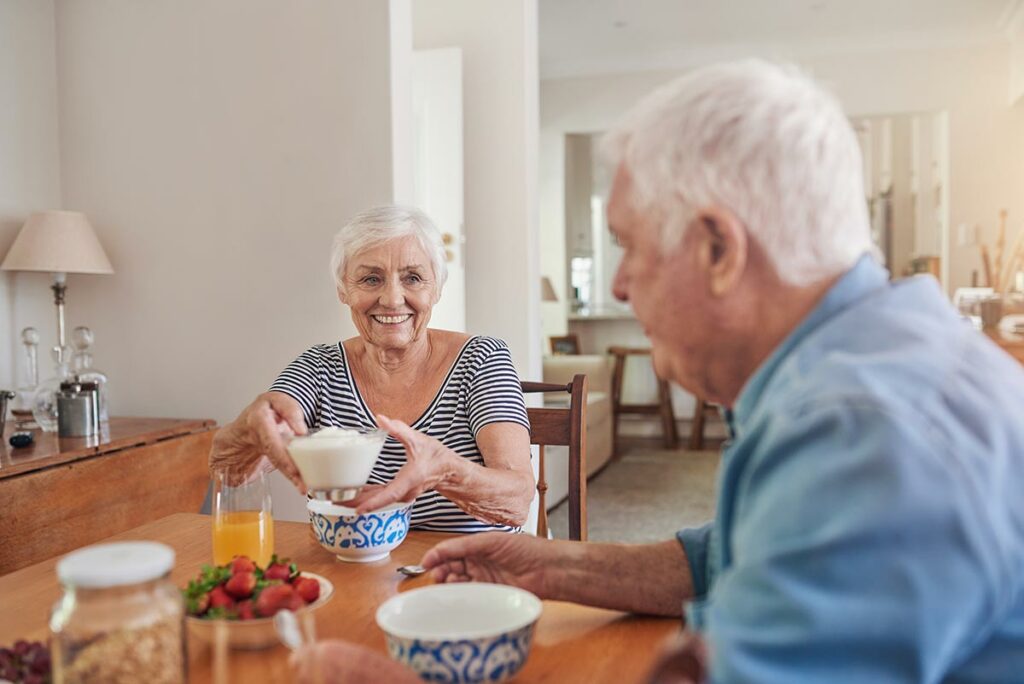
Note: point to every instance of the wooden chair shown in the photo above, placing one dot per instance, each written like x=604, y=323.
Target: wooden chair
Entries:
x=696, y=442
x=563, y=427
x=663, y=409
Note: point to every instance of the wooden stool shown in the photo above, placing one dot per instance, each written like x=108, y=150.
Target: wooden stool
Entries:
x=669, y=434
x=696, y=442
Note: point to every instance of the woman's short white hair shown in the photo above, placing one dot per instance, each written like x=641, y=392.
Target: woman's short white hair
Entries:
x=763, y=141
x=380, y=224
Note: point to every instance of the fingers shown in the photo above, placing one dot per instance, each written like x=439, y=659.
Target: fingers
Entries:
x=304, y=664
x=240, y=445
x=223, y=449
x=454, y=571
x=272, y=445
x=397, y=490
x=365, y=493
x=361, y=495
x=458, y=549
x=321, y=662
x=339, y=662
x=683, y=660
x=288, y=410
x=397, y=429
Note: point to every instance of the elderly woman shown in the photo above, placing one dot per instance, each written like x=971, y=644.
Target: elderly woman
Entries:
x=459, y=437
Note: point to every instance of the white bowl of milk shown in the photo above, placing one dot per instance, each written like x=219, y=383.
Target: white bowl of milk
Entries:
x=335, y=458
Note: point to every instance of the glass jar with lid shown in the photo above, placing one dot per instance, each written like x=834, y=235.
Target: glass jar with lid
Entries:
x=120, y=619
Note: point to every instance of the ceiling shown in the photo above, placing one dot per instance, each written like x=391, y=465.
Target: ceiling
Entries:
x=585, y=37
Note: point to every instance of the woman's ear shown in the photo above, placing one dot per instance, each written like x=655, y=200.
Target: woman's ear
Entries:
x=341, y=295
x=725, y=248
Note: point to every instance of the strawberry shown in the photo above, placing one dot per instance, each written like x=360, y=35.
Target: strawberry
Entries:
x=242, y=564
x=308, y=588
x=277, y=571
x=241, y=585
x=274, y=598
x=220, y=598
x=246, y=611
x=295, y=602
x=201, y=604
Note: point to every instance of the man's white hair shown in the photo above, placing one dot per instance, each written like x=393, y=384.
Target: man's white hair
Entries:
x=381, y=224
x=763, y=141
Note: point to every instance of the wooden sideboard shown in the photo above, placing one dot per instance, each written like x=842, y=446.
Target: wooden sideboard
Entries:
x=60, y=494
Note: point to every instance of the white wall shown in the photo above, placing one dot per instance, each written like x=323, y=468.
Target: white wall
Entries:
x=499, y=46
x=29, y=165
x=437, y=163
x=971, y=83
x=217, y=147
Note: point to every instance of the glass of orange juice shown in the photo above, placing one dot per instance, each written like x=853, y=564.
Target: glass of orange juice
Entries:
x=242, y=522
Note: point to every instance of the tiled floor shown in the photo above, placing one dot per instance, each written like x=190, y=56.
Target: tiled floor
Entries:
x=647, y=494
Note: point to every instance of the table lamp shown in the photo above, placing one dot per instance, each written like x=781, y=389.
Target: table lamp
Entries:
x=57, y=242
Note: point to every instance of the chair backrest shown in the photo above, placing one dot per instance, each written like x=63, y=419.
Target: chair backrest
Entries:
x=563, y=427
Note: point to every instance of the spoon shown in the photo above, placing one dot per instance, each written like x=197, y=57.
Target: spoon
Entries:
x=288, y=629
x=412, y=570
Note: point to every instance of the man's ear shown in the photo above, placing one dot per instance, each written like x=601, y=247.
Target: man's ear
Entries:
x=723, y=248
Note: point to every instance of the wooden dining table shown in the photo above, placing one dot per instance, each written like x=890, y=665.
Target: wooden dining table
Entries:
x=572, y=643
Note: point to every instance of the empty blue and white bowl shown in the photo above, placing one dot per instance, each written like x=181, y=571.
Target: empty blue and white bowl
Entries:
x=359, y=538
x=463, y=632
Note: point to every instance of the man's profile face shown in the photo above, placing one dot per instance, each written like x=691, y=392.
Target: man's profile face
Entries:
x=662, y=287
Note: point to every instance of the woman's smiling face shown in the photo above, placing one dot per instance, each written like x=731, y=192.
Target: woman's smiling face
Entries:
x=391, y=290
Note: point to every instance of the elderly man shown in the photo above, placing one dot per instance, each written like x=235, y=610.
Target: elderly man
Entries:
x=870, y=524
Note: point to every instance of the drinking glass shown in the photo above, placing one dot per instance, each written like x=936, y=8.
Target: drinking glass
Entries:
x=242, y=520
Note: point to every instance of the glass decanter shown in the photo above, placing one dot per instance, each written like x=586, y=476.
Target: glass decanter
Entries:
x=30, y=375
x=82, y=368
x=44, y=403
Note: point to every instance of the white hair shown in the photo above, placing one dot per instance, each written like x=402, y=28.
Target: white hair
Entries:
x=380, y=224
x=763, y=141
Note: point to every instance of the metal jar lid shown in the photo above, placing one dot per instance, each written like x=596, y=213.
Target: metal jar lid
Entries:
x=70, y=387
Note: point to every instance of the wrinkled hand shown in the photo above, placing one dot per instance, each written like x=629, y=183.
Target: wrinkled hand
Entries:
x=683, y=660
x=339, y=662
x=520, y=560
x=424, y=468
x=259, y=431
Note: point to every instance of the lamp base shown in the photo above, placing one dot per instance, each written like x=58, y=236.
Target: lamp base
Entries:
x=60, y=289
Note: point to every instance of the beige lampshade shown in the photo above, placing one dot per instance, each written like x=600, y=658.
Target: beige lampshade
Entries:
x=57, y=242
x=547, y=290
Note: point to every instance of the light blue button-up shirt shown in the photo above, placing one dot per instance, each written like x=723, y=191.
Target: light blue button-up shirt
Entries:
x=870, y=524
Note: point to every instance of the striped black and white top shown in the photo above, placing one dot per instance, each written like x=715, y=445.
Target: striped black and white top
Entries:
x=482, y=387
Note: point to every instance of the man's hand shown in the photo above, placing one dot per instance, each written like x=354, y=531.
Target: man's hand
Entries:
x=683, y=660
x=258, y=431
x=339, y=662
x=516, y=559
x=424, y=468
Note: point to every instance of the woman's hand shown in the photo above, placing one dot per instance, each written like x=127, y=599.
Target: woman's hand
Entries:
x=425, y=466
x=339, y=662
x=259, y=431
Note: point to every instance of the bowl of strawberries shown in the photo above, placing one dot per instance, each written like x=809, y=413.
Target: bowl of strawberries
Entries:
x=242, y=598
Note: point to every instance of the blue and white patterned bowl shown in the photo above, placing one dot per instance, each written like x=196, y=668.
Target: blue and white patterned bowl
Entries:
x=473, y=632
x=358, y=538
